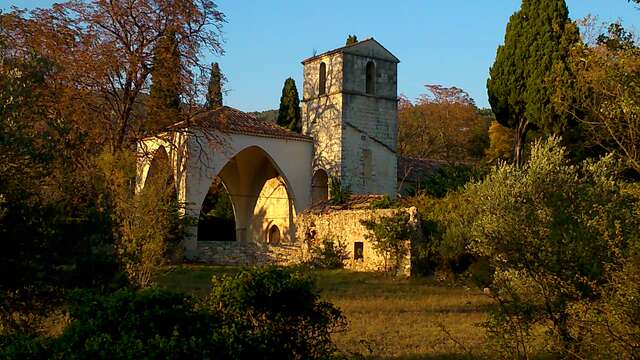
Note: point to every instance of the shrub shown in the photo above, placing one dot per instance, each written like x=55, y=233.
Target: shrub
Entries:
x=257, y=314
x=272, y=313
x=330, y=254
x=555, y=234
x=391, y=237
x=445, y=225
x=149, y=324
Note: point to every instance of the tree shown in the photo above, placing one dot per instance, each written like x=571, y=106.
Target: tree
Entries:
x=391, y=237
x=164, y=97
x=500, y=143
x=289, y=115
x=536, y=49
x=104, y=53
x=214, y=90
x=443, y=124
x=351, y=39
x=554, y=232
x=607, y=93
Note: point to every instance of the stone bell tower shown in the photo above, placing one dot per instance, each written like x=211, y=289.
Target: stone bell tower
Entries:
x=350, y=108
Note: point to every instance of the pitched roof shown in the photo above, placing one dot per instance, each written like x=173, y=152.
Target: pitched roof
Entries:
x=228, y=119
x=351, y=50
x=415, y=170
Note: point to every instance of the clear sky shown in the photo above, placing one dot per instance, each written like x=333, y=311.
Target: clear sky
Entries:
x=447, y=42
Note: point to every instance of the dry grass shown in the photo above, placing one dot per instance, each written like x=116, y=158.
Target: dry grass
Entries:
x=388, y=318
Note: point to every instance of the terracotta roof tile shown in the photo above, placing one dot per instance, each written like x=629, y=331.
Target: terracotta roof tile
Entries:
x=228, y=119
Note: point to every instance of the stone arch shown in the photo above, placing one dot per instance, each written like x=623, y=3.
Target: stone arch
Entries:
x=245, y=175
x=216, y=221
x=319, y=186
x=370, y=85
x=322, y=79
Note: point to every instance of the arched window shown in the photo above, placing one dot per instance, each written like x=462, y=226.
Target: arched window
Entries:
x=322, y=89
x=319, y=186
x=274, y=235
x=370, y=86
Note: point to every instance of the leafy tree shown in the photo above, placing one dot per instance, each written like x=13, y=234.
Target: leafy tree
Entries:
x=351, y=39
x=111, y=48
x=554, y=233
x=536, y=49
x=443, y=124
x=607, y=93
x=391, y=237
x=289, y=115
x=214, y=90
x=164, y=98
x=500, y=143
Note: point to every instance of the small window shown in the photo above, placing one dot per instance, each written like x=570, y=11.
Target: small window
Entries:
x=322, y=81
x=370, y=86
x=358, y=250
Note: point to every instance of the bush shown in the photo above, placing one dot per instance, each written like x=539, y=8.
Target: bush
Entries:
x=445, y=227
x=150, y=324
x=391, y=237
x=331, y=254
x=257, y=314
x=556, y=235
x=271, y=313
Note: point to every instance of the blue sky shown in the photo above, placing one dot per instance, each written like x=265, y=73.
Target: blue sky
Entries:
x=450, y=42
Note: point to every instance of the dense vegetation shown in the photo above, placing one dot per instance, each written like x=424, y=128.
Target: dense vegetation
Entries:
x=550, y=230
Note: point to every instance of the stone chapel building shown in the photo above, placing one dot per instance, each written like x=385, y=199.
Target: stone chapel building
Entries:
x=277, y=179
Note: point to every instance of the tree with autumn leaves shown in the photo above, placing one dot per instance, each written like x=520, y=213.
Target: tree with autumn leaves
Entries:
x=443, y=124
x=82, y=83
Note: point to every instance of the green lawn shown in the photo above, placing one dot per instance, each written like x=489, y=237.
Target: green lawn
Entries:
x=388, y=318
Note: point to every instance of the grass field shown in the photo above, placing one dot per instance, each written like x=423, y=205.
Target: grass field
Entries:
x=388, y=318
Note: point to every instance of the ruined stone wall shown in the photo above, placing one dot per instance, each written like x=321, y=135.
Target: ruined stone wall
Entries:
x=345, y=226
x=248, y=253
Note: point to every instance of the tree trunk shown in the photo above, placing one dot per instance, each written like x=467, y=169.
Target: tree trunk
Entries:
x=521, y=136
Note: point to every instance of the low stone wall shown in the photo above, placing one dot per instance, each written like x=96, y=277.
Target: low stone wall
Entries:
x=248, y=253
x=345, y=226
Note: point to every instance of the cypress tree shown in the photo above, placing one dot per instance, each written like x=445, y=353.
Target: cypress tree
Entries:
x=529, y=66
x=164, y=97
x=214, y=92
x=351, y=39
x=289, y=115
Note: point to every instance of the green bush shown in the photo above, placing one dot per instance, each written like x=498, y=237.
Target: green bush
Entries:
x=445, y=225
x=256, y=314
x=272, y=313
x=331, y=254
x=557, y=235
x=391, y=237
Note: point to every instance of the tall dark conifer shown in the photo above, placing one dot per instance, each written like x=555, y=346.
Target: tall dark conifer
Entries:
x=529, y=67
x=214, y=92
x=164, y=97
x=289, y=115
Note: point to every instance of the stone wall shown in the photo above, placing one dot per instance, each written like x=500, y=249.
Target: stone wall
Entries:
x=240, y=253
x=345, y=226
